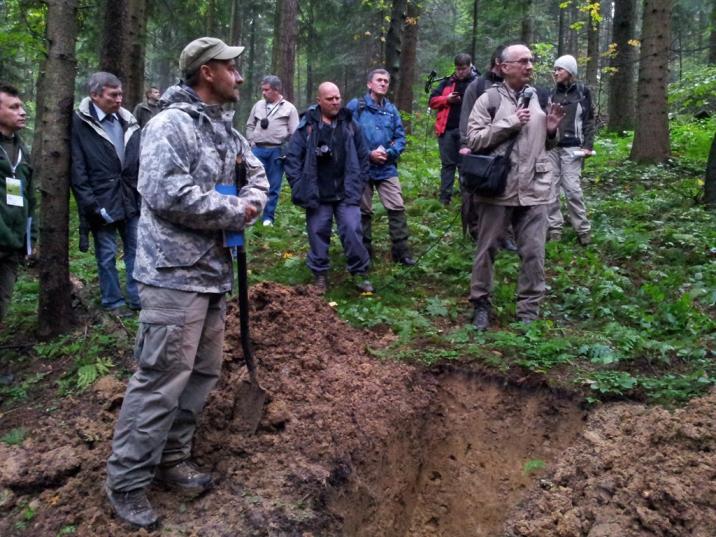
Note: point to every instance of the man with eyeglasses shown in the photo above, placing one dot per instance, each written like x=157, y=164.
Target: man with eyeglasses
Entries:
x=530, y=188
x=447, y=100
x=270, y=125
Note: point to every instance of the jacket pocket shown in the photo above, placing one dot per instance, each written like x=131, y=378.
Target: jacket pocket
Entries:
x=182, y=253
x=544, y=179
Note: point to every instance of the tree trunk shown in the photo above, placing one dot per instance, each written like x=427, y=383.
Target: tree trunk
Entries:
x=592, y=70
x=236, y=18
x=408, y=59
x=710, y=178
x=133, y=83
x=712, y=39
x=527, y=33
x=473, y=45
x=621, y=84
x=114, y=36
x=572, y=34
x=211, y=18
x=651, y=136
x=51, y=161
x=284, y=51
x=393, y=44
x=561, y=32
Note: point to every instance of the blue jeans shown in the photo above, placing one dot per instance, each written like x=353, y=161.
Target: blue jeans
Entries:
x=105, y=250
x=319, y=225
x=270, y=157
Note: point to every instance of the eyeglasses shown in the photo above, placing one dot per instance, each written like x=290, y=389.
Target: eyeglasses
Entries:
x=523, y=61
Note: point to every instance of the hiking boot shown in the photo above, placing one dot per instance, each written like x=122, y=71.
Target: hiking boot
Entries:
x=508, y=245
x=481, y=317
x=554, y=236
x=133, y=507
x=123, y=312
x=406, y=260
x=585, y=238
x=320, y=280
x=364, y=286
x=185, y=477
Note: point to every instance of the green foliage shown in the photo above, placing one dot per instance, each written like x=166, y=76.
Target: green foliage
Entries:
x=532, y=466
x=14, y=437
x=67, y=530
x=695, y=91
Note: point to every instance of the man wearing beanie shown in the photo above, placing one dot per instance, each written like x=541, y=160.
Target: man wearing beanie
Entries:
x=575, y=137
x=184, y=271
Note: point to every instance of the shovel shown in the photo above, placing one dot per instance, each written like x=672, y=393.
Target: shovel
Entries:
x=250, y=397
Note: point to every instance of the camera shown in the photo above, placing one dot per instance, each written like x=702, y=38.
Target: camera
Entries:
x=324, y=151
x=264, y=123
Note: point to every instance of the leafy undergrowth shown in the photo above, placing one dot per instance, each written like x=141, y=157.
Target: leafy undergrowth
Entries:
x=631, y=315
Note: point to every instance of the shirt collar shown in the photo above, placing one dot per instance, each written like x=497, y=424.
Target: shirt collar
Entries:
x=100, y=114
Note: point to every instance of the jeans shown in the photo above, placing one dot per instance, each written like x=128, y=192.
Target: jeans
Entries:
x=319, y=225
x=270, y=157
x=105, y=248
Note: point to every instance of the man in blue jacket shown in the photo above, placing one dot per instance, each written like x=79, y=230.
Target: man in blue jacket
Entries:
x=327, y=168
x=383, y=130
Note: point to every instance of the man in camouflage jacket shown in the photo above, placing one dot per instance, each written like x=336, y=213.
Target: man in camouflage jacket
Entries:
x=184, y=271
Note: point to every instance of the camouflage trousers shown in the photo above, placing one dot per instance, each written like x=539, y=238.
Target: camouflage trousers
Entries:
x=179, y=349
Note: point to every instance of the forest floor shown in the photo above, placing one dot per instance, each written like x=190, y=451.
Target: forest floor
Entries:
x=352, y=445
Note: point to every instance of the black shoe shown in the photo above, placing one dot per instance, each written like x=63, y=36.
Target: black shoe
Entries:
x=133, y=508
x=364, y=286
x=320, y=280
x=481, y=317
x=185, y=477
x=123, y=312
x=406, y=260
x=509, y=245
x=585, y=238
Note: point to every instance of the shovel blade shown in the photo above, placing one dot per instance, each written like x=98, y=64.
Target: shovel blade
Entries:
x=249, y=407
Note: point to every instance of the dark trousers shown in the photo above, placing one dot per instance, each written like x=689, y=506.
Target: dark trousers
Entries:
x=319, y=225
x=449, y=145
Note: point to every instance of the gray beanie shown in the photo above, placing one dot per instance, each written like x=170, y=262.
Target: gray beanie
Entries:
x=568, y=63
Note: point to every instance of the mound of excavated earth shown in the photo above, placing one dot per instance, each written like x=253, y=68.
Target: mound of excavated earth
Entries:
x=350, y=445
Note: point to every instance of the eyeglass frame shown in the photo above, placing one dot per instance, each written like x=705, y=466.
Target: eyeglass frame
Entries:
x=523, y=61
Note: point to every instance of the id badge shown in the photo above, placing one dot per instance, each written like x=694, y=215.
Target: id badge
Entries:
x=13, y=189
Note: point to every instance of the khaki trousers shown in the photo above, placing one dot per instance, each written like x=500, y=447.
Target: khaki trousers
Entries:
x=530, y=228
x=569, y=171
x=179, y=349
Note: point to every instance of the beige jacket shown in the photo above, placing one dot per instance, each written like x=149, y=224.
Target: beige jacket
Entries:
x=531, y=180
x=283, y=120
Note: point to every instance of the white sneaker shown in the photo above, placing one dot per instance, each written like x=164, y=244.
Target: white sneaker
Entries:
x=267, y=223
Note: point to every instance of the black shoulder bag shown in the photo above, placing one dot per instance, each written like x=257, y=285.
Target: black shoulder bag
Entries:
x=486, y=175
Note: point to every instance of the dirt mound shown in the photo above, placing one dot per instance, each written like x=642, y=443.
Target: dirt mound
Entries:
x=352, y=446
x=330, y=403
x=635, y=472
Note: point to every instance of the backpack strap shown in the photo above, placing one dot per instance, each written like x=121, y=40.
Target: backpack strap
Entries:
x=493, y=101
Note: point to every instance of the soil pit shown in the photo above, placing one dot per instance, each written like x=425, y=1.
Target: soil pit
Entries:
x=353, y=446
x=475, y=457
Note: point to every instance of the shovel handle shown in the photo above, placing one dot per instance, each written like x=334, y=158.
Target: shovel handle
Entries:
x=244, y=313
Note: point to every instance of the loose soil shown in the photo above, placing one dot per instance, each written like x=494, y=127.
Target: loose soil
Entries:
x=354, y=446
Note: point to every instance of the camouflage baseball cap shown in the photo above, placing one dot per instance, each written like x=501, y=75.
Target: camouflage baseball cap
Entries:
x=203, y=50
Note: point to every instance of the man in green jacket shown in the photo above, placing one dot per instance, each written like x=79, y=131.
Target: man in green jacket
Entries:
x=17, y=198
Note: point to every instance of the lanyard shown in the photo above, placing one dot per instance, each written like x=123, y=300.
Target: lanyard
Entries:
x=274, y=108
x=19, y=159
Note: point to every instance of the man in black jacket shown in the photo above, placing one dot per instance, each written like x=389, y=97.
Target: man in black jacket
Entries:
x=327, y=168
x=105, y=164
